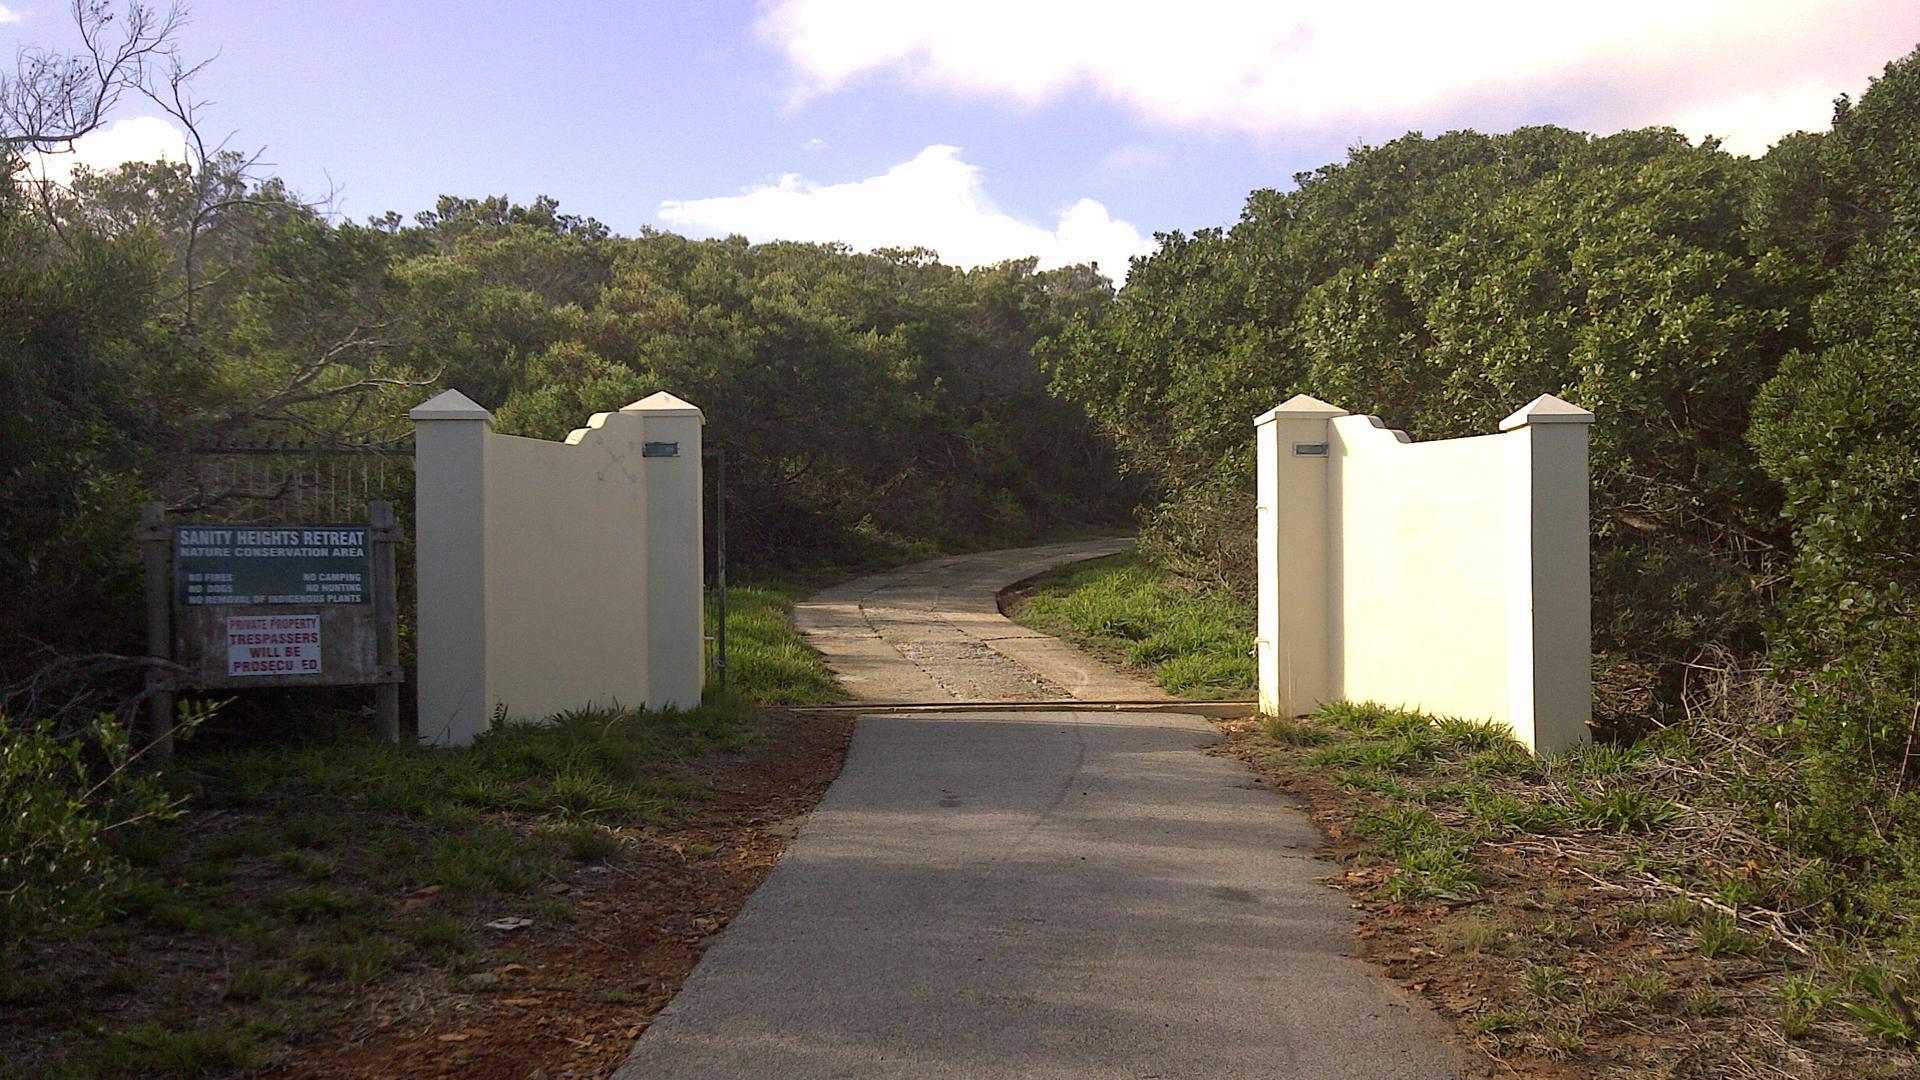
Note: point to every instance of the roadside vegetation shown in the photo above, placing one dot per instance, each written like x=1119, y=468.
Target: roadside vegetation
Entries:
x=295, y=879
x=1706, y=893
x=1637, y=908
x=767, y=661
x=1745, y=329
x=872, y=405
x=203, y=921
x=1194, y=641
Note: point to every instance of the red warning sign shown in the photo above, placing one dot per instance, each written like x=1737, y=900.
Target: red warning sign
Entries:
x=273, y=645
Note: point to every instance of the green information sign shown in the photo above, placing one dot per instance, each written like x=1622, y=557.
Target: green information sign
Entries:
x=253, y=565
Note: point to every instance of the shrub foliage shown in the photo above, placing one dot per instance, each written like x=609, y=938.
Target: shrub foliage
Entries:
x=1744, y=328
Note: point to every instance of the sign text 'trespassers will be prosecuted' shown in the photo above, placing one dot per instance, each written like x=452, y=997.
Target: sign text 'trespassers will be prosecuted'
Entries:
x=273, y=645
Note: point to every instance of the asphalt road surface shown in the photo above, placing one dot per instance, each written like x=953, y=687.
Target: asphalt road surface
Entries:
x=1070, y=894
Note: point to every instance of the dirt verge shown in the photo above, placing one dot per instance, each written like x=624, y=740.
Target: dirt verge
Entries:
x=583, y=990
x=1555, y=972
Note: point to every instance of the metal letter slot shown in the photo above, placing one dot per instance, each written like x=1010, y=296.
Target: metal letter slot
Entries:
x=660, y=449
x=1309, y=449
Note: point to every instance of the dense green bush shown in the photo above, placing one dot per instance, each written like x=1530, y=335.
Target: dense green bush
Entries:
x=63, y=798
x=869, y=404
x=1837, y=429
x=1745, y=330
x=1440, y=283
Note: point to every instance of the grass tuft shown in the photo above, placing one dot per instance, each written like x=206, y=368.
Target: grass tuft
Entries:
x=1622, y=809
x=1432, y=860
x=152, y=1049
x=1549, y=983
x=1716, y=933
x=586, y=842
x=767, y=661
x=1292, y=731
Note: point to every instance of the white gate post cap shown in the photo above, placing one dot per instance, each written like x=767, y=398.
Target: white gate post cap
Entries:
x=451, y=405
x=1300, y=405
x=665, y=404
x=1547, y=409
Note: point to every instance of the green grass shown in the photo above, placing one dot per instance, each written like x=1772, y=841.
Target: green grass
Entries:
x=1719, y=934
x=1623, y=809
x=586, y=842
x=767, y=660
x=1434, y=862
x=1459, y=812
x=156, y=1050
x=1879, y=1006
x=1648, y=988
x=1475, y=933
x=301, y=892
x=587, y=761
x=1197, y=642
x=1431, y=795
x=1494, y=1021
x=1548, y=982
x=296, y=859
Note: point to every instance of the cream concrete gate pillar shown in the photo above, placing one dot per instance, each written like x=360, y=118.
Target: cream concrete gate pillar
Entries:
x=676, y=563
x=1550, y=642
x=1293, y=645
x=450, y=437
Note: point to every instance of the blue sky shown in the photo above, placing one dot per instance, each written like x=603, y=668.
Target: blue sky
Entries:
x=1070, y=129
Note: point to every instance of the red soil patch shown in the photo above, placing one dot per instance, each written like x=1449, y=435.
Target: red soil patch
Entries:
x=588, y=987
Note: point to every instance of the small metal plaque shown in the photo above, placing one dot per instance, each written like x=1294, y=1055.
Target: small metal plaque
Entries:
x=1309, y=449
x=659, y=449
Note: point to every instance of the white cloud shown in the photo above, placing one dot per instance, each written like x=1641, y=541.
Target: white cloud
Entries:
x=814, y=145
x=136, y=138
x=8, y=15
x=935, y=200
x=1135, y=158
x=1749, y=123
x=1265, y=66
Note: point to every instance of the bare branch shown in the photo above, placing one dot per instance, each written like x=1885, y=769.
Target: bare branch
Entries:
x=53, y=98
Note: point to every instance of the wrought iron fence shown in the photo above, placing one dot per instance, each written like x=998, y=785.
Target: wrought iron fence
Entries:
x=263, y=480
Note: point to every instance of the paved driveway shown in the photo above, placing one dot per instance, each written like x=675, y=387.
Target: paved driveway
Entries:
x=1039, y=894
x=933, y=632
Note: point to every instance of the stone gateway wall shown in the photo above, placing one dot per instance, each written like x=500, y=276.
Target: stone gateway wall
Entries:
x=1449, y=577
x=557, y=575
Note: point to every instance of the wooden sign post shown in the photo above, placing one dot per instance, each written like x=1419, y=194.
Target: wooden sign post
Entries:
x=240, y=606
